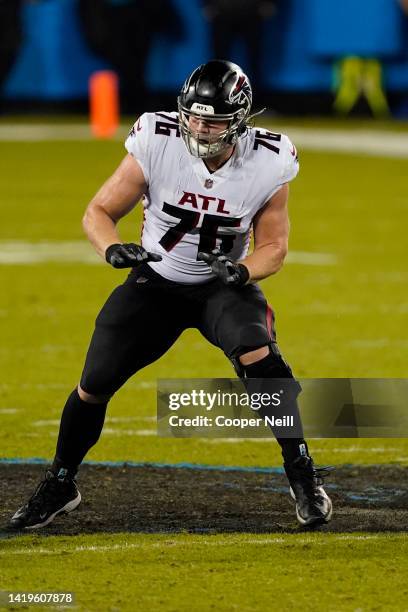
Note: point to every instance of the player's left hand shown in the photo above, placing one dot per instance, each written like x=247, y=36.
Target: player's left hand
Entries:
x=230, y=272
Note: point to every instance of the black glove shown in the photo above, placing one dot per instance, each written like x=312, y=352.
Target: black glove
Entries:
x=230, y=272
x=128, y=255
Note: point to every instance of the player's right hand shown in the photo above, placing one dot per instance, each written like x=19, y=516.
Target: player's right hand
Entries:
x=129, y=255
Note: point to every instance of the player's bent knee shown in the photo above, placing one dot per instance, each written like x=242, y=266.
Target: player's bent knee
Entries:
x=254, y=356
x=269, y=363
x=92, y=399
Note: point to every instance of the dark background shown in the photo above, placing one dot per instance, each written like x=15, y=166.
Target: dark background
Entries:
x=291, y=49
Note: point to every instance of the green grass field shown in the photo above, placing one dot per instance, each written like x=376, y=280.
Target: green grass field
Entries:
x=347, y=319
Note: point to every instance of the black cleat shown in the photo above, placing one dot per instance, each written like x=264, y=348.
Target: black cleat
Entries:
x=53, y=496
x=313, y=505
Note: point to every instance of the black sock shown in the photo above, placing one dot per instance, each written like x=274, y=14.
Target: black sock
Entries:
x=80, y=428
x=292, y=448
x=269, y=368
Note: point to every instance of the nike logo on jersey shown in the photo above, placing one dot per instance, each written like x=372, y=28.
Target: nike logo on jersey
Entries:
x=204, y=202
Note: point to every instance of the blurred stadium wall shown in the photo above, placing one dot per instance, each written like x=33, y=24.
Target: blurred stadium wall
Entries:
x=302, y=43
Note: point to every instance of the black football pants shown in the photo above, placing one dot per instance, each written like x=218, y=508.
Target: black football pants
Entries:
x=145, y=315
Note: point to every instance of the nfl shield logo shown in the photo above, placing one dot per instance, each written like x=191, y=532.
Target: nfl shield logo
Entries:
x=208, y=183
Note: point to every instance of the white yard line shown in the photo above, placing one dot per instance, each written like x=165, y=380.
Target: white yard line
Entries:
x=46, y=423
x=227, y=440
x=129, y=432
x=144, y=384
x=363, y=449
x=57, y=386
x=14, y=252
x=129, y=419
x=113, y=420
x=289, y=539
x=108, y=431
x=18, y=252
x=378, y=143
x=376, y=343
x=22, y=132
x=311, y=259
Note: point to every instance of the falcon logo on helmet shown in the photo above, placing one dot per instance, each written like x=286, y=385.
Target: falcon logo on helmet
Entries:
x=241, y=91
x=219, y=90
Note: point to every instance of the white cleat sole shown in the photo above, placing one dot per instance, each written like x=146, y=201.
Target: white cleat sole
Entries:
x=314, y=520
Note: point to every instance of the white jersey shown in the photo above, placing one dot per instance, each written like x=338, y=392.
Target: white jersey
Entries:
x=188, y=209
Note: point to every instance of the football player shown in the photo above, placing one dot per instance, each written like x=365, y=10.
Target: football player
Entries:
x=206, y=179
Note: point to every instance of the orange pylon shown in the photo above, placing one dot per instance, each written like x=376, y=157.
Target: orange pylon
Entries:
x=104, y=103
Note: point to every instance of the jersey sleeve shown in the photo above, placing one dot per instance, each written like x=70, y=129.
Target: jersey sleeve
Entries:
x=287, y=169
x=290, y=161
x=137, y=144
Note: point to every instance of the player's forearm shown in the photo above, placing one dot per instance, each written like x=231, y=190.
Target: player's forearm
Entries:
x=265, y=261
x=100, y=229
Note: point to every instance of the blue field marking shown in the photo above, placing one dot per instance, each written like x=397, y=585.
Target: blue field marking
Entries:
x=138, y=464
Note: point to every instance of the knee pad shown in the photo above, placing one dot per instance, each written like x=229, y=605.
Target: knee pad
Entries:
x=94, y=383
x=271, y=366
x=92, y=398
